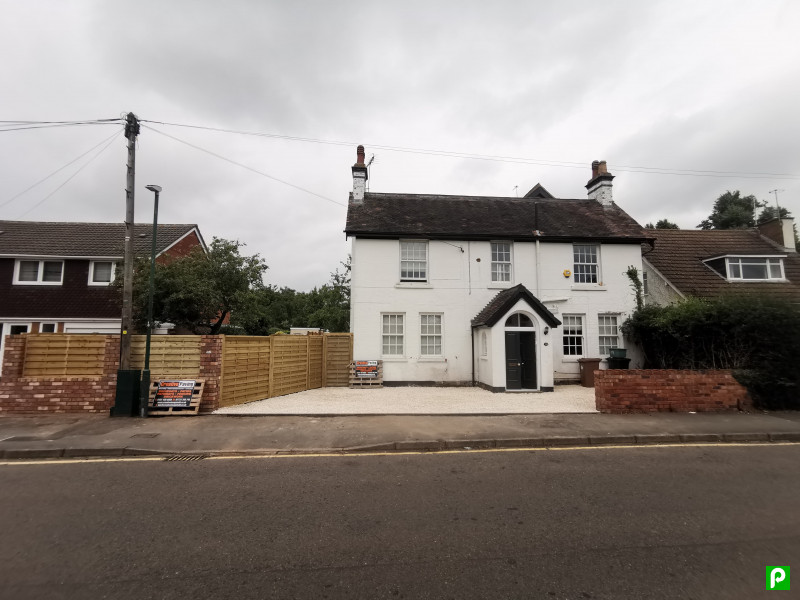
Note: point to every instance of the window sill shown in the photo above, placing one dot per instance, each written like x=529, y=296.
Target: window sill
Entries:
x=500, y=286
x=432, y=359
x=394, y=359
x=757, y=280
x=588, y=287
x=51, y=283
x=410, y=285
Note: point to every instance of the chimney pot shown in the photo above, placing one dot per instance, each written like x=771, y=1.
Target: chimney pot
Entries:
x=595, y=166
x=602, y=169
x=360, y=156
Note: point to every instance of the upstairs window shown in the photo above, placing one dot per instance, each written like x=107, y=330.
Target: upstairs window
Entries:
x=413, y=261
x=585, y=263
x=101, y=272
x=747, y=268
x=501, y=261
x=39, y=272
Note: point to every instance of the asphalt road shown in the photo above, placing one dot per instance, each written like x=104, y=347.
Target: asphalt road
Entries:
x=682, y=522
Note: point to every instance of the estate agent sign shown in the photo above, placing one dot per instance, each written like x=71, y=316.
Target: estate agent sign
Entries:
x=175, y=393
x=367, y=369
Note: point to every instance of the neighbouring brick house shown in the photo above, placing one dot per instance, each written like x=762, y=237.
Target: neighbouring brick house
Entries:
x=708, y=264
x=56, y=277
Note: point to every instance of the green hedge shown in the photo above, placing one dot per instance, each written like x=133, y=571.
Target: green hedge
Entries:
x=756, y=336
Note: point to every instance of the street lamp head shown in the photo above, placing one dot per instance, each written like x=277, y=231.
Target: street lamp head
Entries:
x=153, y=188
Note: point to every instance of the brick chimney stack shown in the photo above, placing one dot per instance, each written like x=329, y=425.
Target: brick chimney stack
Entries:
x=599, y=186
x=360, y=176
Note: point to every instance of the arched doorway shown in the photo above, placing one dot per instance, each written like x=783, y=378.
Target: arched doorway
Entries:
x=520, y=353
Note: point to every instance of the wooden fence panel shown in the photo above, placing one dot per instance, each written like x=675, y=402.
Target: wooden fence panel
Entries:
x=315, y=361
x=338, y=357
x=171, y=356
x=71, y=355
x=290, y=364
x=245, y=369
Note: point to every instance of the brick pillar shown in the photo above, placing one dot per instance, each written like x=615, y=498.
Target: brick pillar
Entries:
x=211, y=371
x=14, y=358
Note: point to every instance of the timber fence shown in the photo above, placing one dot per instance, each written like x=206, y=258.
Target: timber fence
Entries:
x=77, y=373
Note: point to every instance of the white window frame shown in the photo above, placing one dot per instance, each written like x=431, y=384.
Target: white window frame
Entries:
x=414, y=277
x=579, y=274
x=39, y=274
x=389, y=334
x=732, y=262
x=581, y=322
x=102, y=283
x=427, y=334
x=504, y=263
x=53, y=323
x=603, y=337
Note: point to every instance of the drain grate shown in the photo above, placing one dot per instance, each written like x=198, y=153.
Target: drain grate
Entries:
x=185, y=457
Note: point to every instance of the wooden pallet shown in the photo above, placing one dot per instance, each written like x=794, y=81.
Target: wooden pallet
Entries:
x=366, y=382
x=176, y=411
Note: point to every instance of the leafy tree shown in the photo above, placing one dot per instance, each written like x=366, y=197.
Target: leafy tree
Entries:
x=329, y=306
x=732, y=211
x=662, y=224
x=770, y=212
x=278, y=309
x=198, y=291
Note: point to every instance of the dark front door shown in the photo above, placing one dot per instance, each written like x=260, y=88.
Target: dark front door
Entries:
x=527, y=351
x=513, y=361
x=520, y=360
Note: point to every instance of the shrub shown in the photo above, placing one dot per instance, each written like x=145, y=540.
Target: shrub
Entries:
x=758, y=337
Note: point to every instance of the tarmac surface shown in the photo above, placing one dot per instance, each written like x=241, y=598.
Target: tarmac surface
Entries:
x=61, y=436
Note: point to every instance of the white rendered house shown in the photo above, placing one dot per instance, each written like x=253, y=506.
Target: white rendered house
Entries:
x=504, y=293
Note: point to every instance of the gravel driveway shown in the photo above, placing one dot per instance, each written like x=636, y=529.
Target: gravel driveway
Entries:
x=420, y=401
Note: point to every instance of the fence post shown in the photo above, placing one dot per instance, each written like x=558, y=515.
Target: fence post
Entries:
x=271, y=363
x=324, y=360
x=308, y=362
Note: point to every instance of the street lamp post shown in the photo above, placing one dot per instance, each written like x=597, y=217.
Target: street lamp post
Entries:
x=145, y=389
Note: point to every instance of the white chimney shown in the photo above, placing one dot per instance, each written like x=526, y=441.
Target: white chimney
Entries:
x=599, y=186
x=360, y=176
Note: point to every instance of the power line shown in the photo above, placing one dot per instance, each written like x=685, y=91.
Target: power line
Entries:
x=238, y=164
x=10, y=200
x=71, y=177
x=495, y=158
x=4, y=128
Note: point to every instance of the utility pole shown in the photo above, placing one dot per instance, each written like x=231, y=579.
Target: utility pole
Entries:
x=131, y=131
x=128, y=380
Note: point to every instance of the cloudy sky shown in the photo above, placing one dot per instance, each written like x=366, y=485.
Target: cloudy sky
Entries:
x=668, y=92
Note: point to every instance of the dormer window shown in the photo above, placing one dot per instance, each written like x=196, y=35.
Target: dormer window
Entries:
x=748, y=268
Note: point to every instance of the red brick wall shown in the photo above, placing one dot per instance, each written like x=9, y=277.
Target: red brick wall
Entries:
x=182, y=248
x=36, y=395
x=667, y=390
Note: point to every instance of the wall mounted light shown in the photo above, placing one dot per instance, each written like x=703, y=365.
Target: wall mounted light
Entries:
x=546, y=330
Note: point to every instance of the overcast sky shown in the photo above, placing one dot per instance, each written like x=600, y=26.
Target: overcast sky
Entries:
x=672, y=85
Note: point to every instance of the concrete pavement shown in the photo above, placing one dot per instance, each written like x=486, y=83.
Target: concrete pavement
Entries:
x=55, y=436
